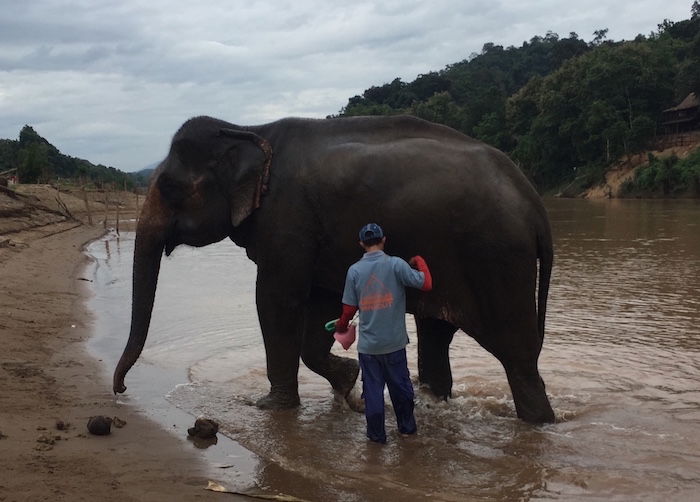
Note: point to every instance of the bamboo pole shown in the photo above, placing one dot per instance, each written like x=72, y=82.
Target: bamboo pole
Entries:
x=106, y=195
x=118, y=207
x=87, y=206
x=137, y=207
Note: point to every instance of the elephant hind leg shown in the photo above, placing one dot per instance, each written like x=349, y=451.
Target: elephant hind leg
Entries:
x=434, y=338
x=508, y=328
x=518, y=353
x=341, y=372
x=531, y=402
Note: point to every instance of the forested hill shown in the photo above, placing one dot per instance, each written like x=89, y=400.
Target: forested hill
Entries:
x=38, y=161
x=562, y=108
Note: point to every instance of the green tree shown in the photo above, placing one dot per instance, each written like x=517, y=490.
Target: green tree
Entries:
x=561, y=107
x=34, y=163
x=439, y=108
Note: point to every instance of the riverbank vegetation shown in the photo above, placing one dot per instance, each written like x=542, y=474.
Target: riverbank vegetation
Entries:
x=666, y=177
x=562, y=108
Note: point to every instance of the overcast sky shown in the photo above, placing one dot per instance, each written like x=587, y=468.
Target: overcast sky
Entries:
x=111, y=81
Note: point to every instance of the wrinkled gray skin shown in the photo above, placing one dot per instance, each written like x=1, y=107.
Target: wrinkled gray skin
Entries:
x=459, y=203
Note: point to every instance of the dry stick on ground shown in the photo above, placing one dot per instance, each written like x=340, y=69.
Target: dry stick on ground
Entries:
x=62, y=205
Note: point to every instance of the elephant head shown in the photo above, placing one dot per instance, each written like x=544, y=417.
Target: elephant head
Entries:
x=210, y=182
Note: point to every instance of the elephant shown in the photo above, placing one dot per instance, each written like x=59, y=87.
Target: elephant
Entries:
x=294, y=193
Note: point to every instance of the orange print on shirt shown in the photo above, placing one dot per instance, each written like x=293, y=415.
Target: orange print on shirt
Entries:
x=375, y=295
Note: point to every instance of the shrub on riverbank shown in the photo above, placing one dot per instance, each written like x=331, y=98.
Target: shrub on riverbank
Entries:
x=666, y=177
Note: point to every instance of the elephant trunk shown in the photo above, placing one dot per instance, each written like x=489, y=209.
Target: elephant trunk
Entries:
x=151, y=236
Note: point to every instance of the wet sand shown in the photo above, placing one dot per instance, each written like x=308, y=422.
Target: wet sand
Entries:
x=48, y=377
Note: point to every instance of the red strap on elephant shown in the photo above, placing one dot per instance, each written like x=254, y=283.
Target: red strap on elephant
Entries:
x=348, y=312
x=419, y=263
x=264, y=145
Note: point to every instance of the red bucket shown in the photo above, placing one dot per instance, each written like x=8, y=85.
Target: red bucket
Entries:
x=346, y=339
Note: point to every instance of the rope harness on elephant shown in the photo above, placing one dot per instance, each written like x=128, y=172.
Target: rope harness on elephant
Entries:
x=264, y=145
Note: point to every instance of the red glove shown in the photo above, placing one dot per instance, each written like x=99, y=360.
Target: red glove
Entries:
x=341, y=326
x=419, y=264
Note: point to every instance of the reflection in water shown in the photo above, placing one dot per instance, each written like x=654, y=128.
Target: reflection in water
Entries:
x=203, y=443
x=620, y=361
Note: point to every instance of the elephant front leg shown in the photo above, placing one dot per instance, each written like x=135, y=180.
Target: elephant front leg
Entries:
x=281, y=320
x=434, y=338
x=341, y=372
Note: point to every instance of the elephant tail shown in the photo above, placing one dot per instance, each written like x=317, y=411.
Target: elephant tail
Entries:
x=545, y=254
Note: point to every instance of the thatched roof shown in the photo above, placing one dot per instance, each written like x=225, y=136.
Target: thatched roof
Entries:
x=690, y=101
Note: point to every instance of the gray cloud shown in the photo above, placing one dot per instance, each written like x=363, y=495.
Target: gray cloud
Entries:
x=112, y=81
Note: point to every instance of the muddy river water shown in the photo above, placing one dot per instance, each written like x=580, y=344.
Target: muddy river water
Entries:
x=621, y=361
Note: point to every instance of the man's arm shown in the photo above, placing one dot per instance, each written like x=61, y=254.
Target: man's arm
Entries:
x=419, y=263
x=341, y=326
x=350, y=302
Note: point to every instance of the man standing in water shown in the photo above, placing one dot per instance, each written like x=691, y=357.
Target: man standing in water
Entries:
x=376, y=286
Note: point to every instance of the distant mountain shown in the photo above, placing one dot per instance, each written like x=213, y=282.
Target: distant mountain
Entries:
x=142, y=178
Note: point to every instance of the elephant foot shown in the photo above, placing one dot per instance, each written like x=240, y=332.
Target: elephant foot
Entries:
x=442, y=392
x=348, y=387
x=351, y=369
x=278, y=400
x=541, y=413
x=531, y=402
x=441, y=389
x=353, y=398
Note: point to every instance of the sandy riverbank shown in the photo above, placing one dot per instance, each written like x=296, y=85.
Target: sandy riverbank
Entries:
x=51, y=385
x=48, y=377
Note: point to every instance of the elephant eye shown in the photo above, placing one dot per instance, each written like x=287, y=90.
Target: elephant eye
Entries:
x=171, y=189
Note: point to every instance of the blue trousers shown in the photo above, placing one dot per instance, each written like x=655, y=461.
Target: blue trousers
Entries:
x=390, y=370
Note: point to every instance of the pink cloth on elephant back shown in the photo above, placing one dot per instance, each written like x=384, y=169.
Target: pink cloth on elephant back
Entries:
x=346, y=339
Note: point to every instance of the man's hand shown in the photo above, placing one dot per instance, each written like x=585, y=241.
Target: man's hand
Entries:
x=419, y=264
x=348, y=312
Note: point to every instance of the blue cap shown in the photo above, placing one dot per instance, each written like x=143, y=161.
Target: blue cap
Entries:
x=371, y=231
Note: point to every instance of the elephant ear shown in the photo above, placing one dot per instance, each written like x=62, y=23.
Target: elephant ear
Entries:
x=244, y=169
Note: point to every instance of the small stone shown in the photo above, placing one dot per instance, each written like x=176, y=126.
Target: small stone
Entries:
x=204, y=428
x=99, y=425
x=61, y=425
x=46, y=439
x=118, y=422
x=2, y=436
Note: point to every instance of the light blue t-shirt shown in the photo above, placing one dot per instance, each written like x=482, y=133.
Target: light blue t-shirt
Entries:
x=376, y=284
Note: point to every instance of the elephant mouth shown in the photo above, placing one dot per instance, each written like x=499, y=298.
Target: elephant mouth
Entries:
x=171, y=238
x=179, y=232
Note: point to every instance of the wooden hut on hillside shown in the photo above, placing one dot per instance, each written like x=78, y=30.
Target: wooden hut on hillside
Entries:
x=683, y=117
